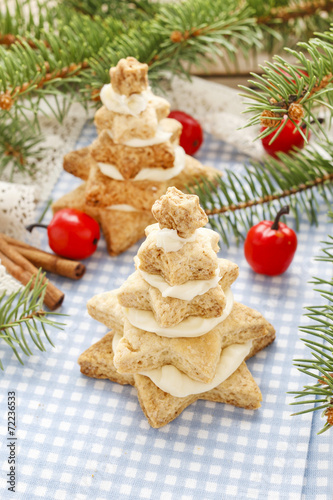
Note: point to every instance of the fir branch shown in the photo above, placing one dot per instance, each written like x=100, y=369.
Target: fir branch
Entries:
x=67, y=53
x=22, y=21
x=232, y=201
x=196, y=28
x=74, y=57
x=21, y=315
x=20, y=146
x=193, y=31
x=294, y=89
x=138, y=10
x=203, y=30
x=320, y=366
x=288, y=12
x=180, y=35
x=29, y=73
x=56, y=59
x=286, y=23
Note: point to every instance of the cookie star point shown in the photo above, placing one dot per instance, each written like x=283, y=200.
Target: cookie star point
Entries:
x=129, y=76
x=179, y=211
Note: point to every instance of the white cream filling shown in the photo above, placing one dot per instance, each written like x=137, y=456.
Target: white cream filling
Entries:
x=122, y=207
x=131, y=105
x=163, y=174
x=159, y=137
x=193, y=326
x=149, y=174
x=171, y=380
x=186, y=291
x=169, y=241
x=115, y=341
x=110, y=171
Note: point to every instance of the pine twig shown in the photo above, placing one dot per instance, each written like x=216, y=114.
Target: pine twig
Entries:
x=320, y=365
x=19, y=315
x=299, y=10
x=138, y=9
x=294, y=90
x=271, y=197
x=20, y=146
x=73, y=57
x=19, y=19
x=232, y=202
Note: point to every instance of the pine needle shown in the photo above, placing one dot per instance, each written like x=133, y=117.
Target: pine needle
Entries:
x=22, y=315
x=299, y=179
x=320, y=365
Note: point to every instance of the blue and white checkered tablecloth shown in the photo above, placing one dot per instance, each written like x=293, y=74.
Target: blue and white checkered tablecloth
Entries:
x=80, y=438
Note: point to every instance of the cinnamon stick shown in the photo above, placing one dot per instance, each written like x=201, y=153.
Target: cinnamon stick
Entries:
x=16, y=271
x=14, y=241
x=48, y=261
x=22, y=270
x=52, y=263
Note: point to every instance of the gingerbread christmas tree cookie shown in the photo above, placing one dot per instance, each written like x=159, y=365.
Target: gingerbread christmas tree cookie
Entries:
x=177, y=334
x=133, y=161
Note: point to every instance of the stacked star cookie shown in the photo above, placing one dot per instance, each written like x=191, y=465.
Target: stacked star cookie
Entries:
x=177, y=334
x=135, y=158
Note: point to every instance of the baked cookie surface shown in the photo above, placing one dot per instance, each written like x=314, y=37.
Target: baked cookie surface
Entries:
x=134, y=160
x=177, y=333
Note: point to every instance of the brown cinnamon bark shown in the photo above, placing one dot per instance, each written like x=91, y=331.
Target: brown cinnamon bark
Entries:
x=48, y=261
x=22, y=270
x=52, y=263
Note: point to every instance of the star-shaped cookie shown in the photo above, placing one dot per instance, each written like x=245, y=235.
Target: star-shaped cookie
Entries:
x=169, y=311
x=122, y=229
x=195, y=260
x=160, y=408
x=197, y=357
x=130, y=161
x=129, y=76
x=180, y=212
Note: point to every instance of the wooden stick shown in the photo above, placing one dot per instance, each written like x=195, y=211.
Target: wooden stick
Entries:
x=48, y=261
x=21, y=269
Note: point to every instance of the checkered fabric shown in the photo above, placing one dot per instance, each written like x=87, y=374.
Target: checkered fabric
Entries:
x=80, y=438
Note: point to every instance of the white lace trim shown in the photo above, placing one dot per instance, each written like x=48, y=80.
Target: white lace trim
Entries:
x=59, y=140
x=7, y=283
x=17, y=209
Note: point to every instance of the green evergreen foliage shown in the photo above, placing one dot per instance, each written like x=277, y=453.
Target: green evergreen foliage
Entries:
x=137, y=10
x=238, y=201
x=67, y=49
x=22, y=143
x=307, y=83
x=22, y=316
x=320, y=341
x=301, y=178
